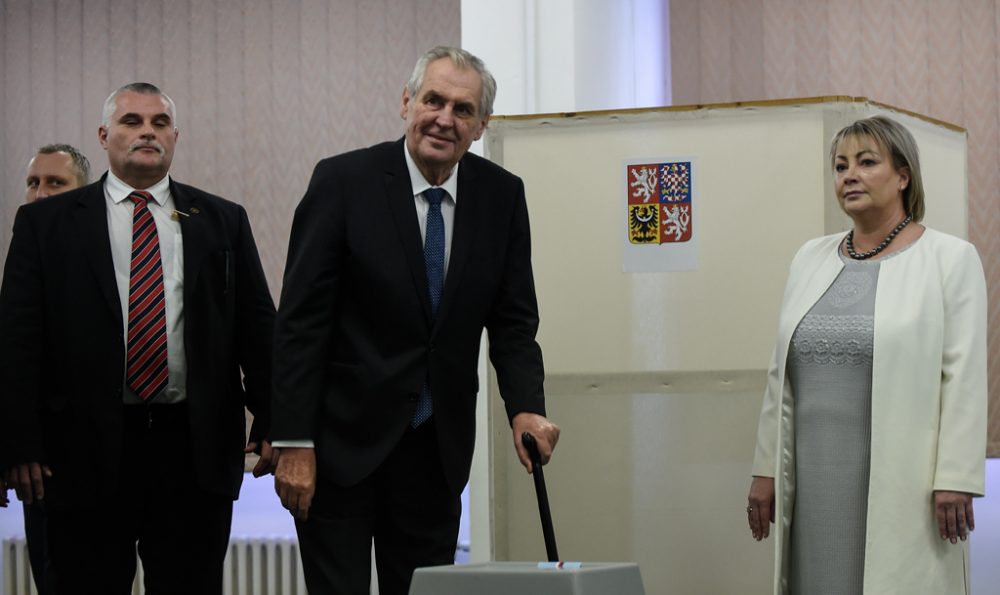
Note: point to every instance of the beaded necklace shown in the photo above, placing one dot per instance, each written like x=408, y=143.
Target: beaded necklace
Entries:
x=880, y=247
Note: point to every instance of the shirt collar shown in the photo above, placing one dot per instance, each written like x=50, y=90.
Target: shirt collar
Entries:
x=420, y=183
x=119, y=190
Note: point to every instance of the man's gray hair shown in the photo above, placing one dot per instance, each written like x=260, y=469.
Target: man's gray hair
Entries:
x=141, y=88
x=461, y=59
x=80, y=162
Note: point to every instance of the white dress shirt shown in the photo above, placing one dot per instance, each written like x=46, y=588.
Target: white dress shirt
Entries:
x=120, y=212
x=419, y=183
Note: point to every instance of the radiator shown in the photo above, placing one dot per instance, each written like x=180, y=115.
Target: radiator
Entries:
x=16, y=570
x=257, y=566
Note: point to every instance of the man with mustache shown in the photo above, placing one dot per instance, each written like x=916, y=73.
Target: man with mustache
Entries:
x=400, y=255
x=135, y=325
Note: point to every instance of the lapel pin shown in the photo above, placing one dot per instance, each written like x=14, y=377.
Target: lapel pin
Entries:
x=176, y=215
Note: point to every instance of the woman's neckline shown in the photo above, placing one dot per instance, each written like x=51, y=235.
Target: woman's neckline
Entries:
x=841, y=251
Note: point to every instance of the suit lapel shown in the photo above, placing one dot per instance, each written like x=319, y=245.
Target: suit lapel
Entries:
x=92, y=224
x=193, y=235
x=463, y=232
x=399, y=194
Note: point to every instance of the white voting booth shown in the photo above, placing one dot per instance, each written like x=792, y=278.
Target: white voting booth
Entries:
x=655, y=346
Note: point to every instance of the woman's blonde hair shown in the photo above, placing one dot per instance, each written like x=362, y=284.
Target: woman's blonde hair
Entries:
x=900, y=144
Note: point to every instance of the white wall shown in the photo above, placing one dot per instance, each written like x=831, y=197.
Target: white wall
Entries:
x=572, y=55
x=985, y=546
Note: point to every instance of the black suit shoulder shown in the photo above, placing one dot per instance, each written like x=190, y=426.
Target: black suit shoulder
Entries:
x=360, y=164
x=485, y=167
x=213, y=200
x=63, y=202
x=338, y=180
x=498, y=189
x=378, y=153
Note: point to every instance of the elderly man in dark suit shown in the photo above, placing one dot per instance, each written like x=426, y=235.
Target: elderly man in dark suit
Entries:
x=135, y=324
x=400, y=255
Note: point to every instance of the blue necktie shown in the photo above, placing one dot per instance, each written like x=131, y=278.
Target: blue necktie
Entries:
x=434, y=262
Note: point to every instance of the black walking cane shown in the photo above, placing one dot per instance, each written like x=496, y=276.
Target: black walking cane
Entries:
x=543, y=496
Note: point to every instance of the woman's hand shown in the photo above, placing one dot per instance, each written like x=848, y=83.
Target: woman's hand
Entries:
x=760, y=506
x=954, y=515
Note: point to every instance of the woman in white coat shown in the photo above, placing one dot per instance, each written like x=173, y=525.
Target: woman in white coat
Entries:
x=872, y=436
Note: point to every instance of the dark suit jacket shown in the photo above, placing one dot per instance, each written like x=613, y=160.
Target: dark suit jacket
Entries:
x=63, y=347
x=355, y=338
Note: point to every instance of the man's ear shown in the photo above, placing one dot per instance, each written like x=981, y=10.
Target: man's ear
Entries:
x=482, y=128
x=406, y=102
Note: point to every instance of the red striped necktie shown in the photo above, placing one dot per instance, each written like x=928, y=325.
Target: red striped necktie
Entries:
x=146, y=360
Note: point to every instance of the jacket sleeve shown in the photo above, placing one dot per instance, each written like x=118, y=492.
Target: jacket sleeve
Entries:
x=513, y=323
x=254, y=328
x=305, y=314
x=765, y=458
x=962, y=434
x=21, y=342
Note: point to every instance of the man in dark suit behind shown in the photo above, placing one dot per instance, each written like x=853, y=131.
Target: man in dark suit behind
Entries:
x=400, y=255
x=54, y=169
x=135, y=324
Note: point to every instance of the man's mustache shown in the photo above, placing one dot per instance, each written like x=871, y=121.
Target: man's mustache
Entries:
x=146, y=145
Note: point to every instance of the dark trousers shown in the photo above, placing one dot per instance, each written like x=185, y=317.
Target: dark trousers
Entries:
x=181, y=532
x=38, y=549
x=406, y=506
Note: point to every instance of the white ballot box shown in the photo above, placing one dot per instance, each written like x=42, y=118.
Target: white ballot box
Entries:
x=528, y=578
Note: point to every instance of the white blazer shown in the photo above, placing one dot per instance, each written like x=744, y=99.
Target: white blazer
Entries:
x=928, y=407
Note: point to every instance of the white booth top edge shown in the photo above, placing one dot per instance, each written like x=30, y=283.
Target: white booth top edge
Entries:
x=640, y=112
